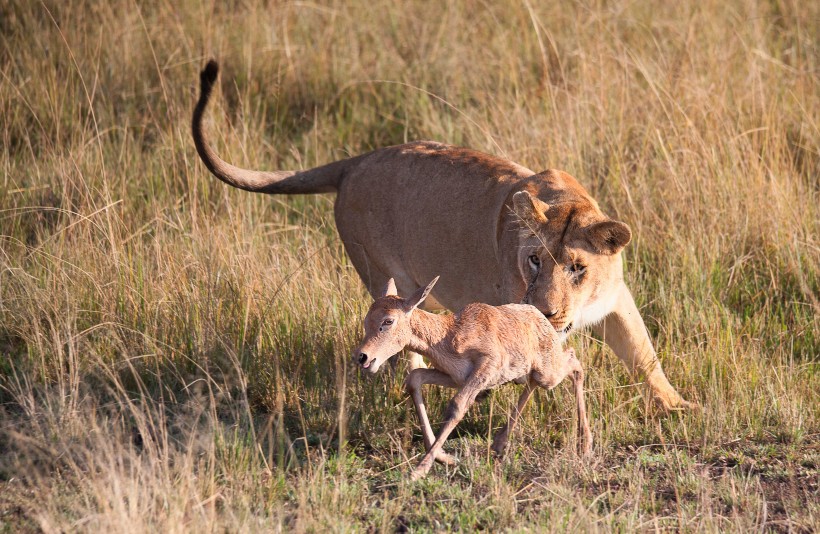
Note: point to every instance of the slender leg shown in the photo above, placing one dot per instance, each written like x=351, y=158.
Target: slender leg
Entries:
x=585, y=442
x=456, y=410
x=572, y=368
x=503, y=435
x=413, y=383
x=624, y=331
x=567, y=364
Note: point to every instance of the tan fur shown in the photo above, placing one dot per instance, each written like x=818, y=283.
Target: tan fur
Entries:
x=412, y=211
x=477, y=349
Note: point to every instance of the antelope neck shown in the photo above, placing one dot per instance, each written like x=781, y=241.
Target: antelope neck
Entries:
x=430, y=333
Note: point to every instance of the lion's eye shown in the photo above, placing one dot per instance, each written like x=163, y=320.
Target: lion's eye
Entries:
x=535, y=261
x=577, y=269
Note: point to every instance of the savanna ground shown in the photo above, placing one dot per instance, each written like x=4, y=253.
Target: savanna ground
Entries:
x=175, y=353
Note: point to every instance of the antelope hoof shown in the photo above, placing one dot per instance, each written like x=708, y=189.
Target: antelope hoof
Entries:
x=585, y=447
x=422, y=469
x=499, y=446
x=419, y=473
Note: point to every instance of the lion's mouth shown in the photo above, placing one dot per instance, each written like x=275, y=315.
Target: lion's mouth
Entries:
x=565, y=330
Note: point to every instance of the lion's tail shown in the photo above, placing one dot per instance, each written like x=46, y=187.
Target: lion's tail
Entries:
x=319, y=180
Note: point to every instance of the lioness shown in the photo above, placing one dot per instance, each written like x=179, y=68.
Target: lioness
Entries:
x=495, y=231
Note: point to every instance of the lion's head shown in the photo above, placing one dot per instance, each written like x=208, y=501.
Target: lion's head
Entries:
x=566, y=255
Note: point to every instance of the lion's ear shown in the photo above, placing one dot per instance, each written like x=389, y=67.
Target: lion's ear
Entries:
x=529, y=208
x=608, y=237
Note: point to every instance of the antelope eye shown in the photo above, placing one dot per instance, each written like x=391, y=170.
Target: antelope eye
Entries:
x=387, y=322
x=535, y=260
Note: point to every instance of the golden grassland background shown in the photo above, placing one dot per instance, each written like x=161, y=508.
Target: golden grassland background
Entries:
x=174, y=354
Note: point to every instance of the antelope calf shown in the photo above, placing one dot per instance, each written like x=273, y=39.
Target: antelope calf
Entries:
x=479, y=348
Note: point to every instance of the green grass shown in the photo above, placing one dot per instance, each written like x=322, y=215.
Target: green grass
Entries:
x=175, y=354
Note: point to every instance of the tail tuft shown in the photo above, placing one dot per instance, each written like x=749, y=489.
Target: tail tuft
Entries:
x=323, y=179
x=208, y=76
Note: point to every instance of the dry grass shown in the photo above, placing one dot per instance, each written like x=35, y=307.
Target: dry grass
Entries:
x=174, y=353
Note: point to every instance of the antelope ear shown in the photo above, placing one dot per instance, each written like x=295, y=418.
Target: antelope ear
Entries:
x=529, y=208
x=418, y=297
x=390, y=289
x=608, y=237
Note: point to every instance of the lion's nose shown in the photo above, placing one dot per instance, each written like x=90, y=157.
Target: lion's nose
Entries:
x=362, y=358
x=551, y=313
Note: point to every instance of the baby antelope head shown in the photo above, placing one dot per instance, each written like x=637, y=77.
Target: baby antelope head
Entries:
x=387, y=326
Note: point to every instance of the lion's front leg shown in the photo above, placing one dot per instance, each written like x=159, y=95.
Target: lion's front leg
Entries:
x=624, y=331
